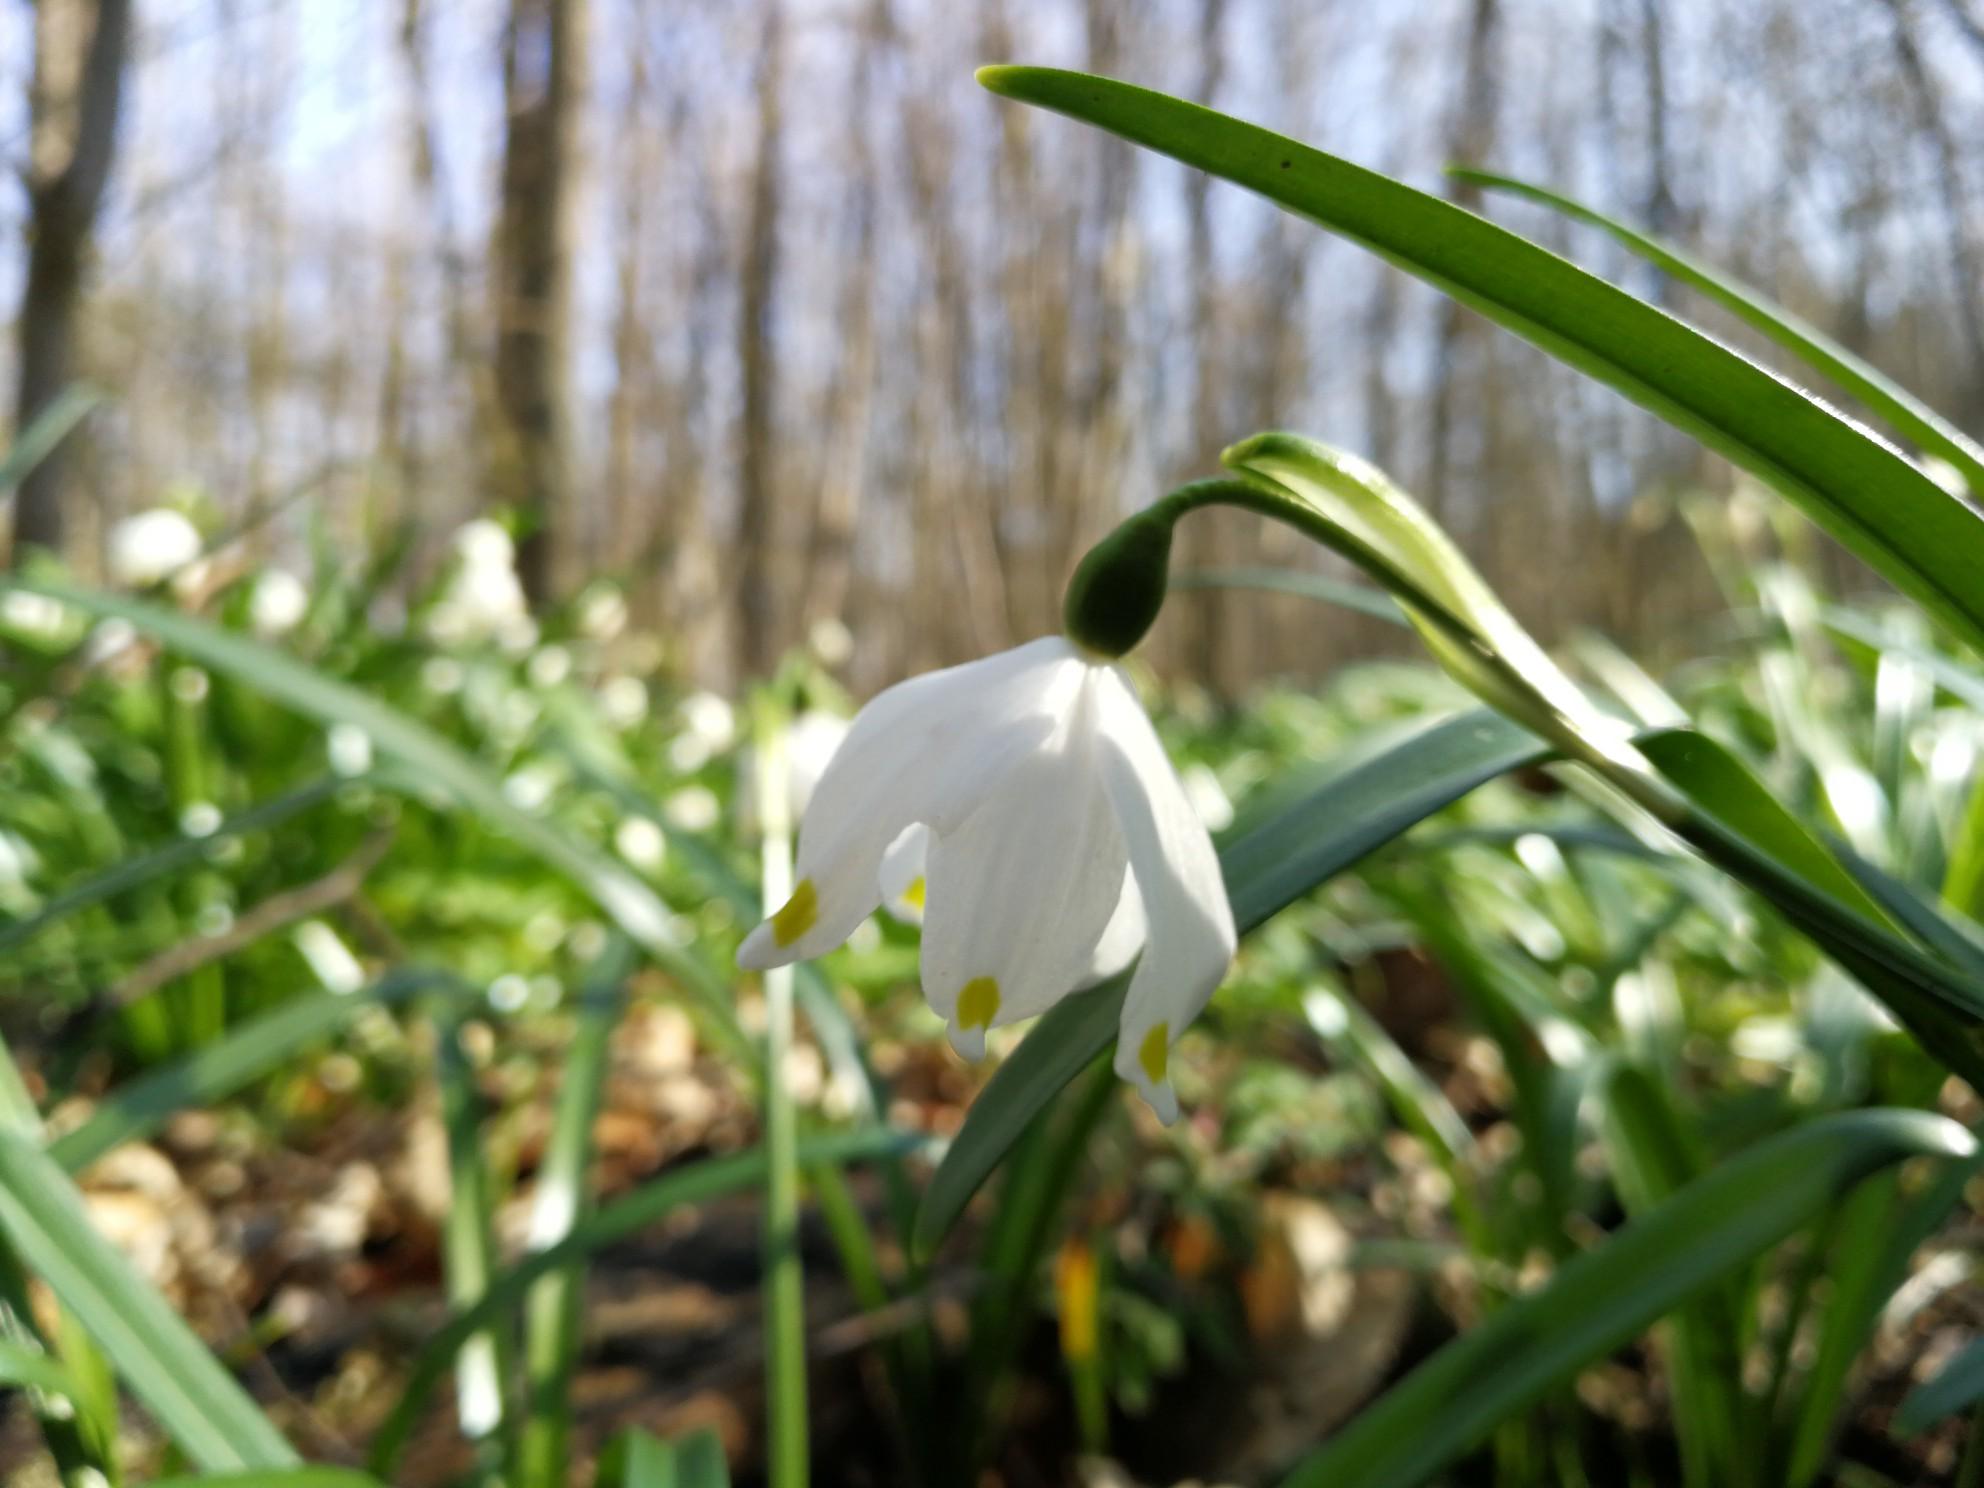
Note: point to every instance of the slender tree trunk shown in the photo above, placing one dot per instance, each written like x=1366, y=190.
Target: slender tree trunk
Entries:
x=542, y=80
x=1470, y=141
x=757, y=535
x=843, y=475
x=74, y=109
x=1955, y=199
x=1210, y=540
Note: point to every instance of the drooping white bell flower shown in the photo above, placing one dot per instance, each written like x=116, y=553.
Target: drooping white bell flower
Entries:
x=151, y=547
x=1024, y=806
x=278, y=602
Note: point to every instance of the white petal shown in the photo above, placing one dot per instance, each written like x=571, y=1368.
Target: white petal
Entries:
x=1191, y=938
x=1122, y=938
x=902, y=880
x=929, y=749
x=1020, y=893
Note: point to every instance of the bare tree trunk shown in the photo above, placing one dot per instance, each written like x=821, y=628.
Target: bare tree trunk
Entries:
x=531, y=268
x=1956, y=198
x=849, y=414
x=1208, y=542
x=1660, y=210
x=1471, y=139
x=77, y=90
x=757, y=538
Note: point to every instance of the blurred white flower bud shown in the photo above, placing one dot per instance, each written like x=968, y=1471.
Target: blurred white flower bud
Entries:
x=152, y=546
x=277, y=603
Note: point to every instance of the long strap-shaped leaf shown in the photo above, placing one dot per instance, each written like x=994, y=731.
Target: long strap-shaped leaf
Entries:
x=1855, y=373
x=1868, y=495
x=194, y=1398
x=1611, y=1294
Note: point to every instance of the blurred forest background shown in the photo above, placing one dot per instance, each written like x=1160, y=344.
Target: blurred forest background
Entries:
x=761, y=307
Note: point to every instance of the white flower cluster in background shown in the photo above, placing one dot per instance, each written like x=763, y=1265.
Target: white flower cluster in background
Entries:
x=482, y=599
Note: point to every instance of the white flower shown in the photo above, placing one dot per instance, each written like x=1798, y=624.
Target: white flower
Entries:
x=482, y=543
x=815, y=738
x=277, y=603
x=710, y=720
x=1032, y=796
x=152, y=546
x=694, y=808
x=483, y=598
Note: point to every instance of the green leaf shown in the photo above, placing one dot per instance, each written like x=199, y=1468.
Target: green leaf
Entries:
x=50, y=427
x=194, y=1399
x=1652, y=1157
x=30, y=1368
x=1285, y=856
x=468, y=1237
x=1958, y=1386
x=1858, y=376
x=1879, y=1232
x=551, y=1311
x=1604, y=1298
x=1961, y=682
x=636, y=1459
x=1737, y=824
x=1715, y=780
x=1868, y=495
x=703, y=1181
x=134, y=1111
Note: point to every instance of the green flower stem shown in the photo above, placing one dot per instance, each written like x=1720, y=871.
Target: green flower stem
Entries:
x=785, y=1283
x=1119, y=587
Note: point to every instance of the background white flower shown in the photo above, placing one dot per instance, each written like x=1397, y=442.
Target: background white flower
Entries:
x=152, y=546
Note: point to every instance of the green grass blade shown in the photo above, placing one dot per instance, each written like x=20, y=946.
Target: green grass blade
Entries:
x=80, y=1427
x=699, y=1461
x=1653, y=1157
x=635, y=1459
x=26, y=1368
x=468, y=1244
x=700, y=1183
x=1958, y=943
x=1878, y=1235
x=1421, y=1107
x=195, y=1400
x=134, y=1111
x=551, y=1311
x=135, y=872
x=1852, y=372
x=50, y=427
x=1964, y=683
x=1607, y=1296
x=1959, y=1386
x=1737, y=824
x=1276, y=862
x=1868, y=495
x=787, y=1449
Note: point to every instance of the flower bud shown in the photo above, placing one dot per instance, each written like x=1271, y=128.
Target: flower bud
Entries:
x=1117, y=590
